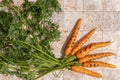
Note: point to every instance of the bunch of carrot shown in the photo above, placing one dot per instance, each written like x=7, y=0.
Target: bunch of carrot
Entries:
x=82, y=53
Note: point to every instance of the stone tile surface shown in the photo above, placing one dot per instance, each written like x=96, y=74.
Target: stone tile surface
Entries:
x=52, y=76
x=58, y=47
x=59, y=19
x=8, y=77
x=116, y=20
x=114, y=37
x=73, y=5
x=109, y=74
x=70, y=75
x=70, y=20
x=107, y=22
x=62, y=4
x=91, y=20
x=92, y=5
x=111, y=5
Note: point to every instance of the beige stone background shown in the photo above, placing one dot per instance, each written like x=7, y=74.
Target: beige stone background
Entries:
x=102, y=14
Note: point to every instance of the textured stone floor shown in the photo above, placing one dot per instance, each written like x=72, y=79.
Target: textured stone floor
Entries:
x=102, y=14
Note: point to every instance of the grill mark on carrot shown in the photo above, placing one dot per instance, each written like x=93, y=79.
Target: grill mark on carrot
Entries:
x=85, y=51
x=95, y=56
x=98, y=64
x=72, y=39
x=82, y=41
x=90, y=65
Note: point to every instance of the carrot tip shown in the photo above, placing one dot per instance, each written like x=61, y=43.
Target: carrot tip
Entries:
x=114, y=66
x=110, y=41
x=79, y=19
x=95, y=28
x=100, y=76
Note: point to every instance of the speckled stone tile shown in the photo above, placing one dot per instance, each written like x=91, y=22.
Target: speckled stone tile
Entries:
x=51, y=76
x=92, y=20
x=116, y=21
x=8, y=77
x=71, y=75
x=98, y=70
x=117, y=52
x=73, y=5
x=61, y=4
x=70, y=20
x=107, y=22
x=115, y=60
x=58, y=47
x=110, y=74
x=92, y=5
x=111, y=5
x=59, y=19
x=114, y=37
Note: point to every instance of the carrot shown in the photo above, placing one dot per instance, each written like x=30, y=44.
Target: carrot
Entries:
x=85, y=71
x=71, y=42
x=82, y=41
x=95, y=56
x=97, y=64
x=83, y=52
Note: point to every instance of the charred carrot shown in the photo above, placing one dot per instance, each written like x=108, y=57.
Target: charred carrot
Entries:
x=85, y=71
x=91, y=64
x=71, y=42
x=95, y=56
x=83, y=52
x=82, y=41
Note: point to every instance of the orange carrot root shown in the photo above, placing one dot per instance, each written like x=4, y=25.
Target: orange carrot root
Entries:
x=95, y=56
x=85, y=51
x=85, y=71
x=82, y=41
x=91, y=64
x=71, y=42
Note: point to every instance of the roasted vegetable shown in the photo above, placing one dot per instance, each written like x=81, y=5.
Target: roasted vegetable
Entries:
x=85, y=71
x=95, y=56
x=82, y=41
x=72, y=39
x=91, y=64
x=84, y=51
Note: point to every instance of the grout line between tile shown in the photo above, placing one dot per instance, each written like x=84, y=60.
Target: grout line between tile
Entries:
x=102, y=6
x=83, y=6
x=91, y=11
